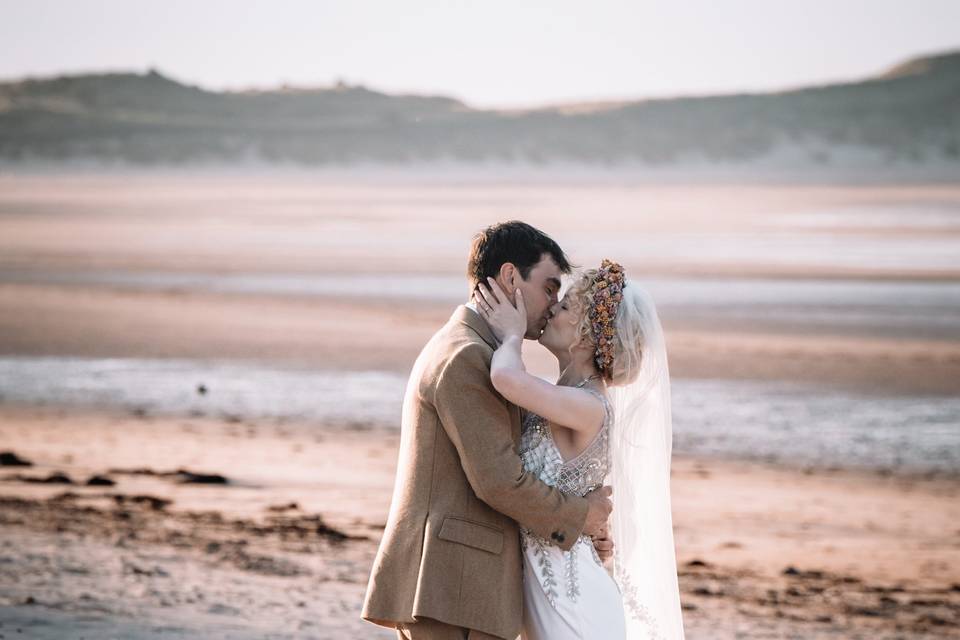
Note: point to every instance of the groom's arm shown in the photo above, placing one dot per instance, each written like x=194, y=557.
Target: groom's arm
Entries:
x=477, y=421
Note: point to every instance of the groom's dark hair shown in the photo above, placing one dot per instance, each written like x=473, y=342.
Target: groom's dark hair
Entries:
x=515, y=242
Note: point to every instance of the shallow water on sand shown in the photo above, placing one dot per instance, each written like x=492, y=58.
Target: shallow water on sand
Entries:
x=783, y=422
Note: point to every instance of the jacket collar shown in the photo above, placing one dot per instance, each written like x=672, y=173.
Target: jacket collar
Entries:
x=472, y=319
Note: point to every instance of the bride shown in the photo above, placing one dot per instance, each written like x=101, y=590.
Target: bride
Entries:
x=607, y=416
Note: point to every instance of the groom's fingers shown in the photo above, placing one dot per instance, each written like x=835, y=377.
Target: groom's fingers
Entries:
x=606, y=492
x=604, y=547
x=601, y=498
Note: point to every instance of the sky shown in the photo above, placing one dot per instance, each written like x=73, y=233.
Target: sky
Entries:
x=490, y=53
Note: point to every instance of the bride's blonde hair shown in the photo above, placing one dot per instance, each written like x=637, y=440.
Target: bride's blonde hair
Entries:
x=627, y=340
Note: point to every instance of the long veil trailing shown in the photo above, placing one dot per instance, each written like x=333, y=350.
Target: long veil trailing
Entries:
x=641, y=443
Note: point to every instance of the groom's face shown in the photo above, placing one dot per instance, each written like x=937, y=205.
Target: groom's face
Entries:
x=540, y=292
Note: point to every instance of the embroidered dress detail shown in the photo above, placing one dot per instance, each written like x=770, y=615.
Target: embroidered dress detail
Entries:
x=577, y=476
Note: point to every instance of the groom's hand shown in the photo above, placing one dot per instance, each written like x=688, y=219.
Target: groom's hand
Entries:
x=598, y=510
x=604, y=545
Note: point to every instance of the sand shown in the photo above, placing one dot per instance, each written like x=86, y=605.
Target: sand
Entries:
x=284, y=547
x=387, y=335
x=765, y=551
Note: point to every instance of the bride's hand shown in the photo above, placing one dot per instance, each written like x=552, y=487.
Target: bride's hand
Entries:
x=504, y=319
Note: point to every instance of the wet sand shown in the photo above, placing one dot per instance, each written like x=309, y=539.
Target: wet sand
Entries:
x=332, y=333
x=313, y=225
x=284, y=545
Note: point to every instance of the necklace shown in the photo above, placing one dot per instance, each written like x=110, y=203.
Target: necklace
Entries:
x=595, y=376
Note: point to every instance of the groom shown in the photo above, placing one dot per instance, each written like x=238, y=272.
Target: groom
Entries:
x=449, y=563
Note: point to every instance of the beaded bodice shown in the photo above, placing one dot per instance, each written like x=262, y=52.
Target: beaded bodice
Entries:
x=577, y=476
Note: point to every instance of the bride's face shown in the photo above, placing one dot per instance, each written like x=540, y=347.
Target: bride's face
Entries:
x=560, y=333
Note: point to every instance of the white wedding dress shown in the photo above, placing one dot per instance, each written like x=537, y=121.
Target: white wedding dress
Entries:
x=567, y=594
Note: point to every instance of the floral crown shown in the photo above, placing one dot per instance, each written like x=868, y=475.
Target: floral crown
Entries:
x=605, y=296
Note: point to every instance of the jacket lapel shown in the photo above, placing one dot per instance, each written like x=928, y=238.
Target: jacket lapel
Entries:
x=472, y=319
x=478, y=325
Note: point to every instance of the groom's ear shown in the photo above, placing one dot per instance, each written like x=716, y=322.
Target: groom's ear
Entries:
x=509, y=277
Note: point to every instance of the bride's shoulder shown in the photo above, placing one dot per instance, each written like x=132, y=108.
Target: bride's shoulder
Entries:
x=601, y=394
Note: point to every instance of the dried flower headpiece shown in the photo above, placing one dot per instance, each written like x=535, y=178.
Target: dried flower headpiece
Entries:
x=606, y=294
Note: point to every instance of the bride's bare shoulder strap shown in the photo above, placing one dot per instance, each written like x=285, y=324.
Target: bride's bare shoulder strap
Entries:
x=607, y=407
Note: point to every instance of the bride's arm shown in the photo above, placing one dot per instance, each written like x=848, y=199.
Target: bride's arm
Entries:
x=573, y=408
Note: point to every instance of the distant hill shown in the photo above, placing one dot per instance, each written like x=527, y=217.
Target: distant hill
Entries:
x=908, y=115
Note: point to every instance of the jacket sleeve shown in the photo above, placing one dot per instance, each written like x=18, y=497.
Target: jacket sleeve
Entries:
x=477, y=421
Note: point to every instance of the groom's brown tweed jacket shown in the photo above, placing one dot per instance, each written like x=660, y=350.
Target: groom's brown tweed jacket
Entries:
x=451, y=548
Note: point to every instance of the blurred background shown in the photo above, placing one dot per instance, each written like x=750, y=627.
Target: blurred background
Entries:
x=226, y=230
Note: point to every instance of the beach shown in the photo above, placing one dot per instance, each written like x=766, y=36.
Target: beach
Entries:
x=283, y=550
x=228, y=355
